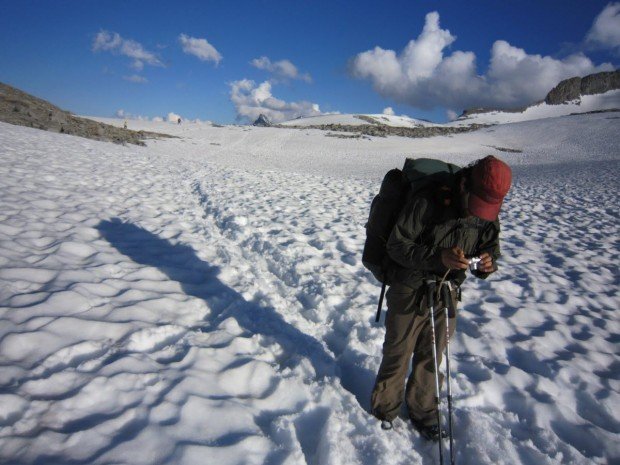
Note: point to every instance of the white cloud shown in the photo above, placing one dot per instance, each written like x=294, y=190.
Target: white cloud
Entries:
x=113, y=42
x=251, y=100
x=451, y=115
x=157, y=119
x=173, y=117
x=388, y=111
x=136, y=78
x=423, y=77
x=282, y=69
x=200, y=48
x=605, y=31
x=126, y=115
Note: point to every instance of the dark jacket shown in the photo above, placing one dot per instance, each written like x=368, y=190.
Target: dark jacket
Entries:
x=429, y=223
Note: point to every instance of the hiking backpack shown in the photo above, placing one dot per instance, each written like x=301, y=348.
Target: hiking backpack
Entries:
x=397, y=186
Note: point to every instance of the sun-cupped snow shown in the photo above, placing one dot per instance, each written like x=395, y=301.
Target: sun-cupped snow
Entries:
x=202, y=299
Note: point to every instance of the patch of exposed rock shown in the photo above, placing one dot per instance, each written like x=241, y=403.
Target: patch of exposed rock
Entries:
x=20, y=108
x=476, y=111
x=383, y=130
x=573, y=88
x=368, y=119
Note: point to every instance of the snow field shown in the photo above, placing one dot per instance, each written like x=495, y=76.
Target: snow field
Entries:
x=161, y=308
x=309, y=151
x=355, y=120
x=115, y=336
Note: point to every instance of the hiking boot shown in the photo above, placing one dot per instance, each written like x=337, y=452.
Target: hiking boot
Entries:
x=386, y=425
x=430, y=432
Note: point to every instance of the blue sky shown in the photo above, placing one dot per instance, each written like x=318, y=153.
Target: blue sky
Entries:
x=228, y=61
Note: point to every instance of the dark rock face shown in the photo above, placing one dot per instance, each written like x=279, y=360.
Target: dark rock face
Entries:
x=475, y=111
x=263, y=121
x=22, y=109
x=600, y=83
x=573, y=88
x=565, y=91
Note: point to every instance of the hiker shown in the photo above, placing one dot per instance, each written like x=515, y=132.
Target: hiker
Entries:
x=435, y=235
x=179, y=120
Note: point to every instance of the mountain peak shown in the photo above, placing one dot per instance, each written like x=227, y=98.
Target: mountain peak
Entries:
x=262, y=120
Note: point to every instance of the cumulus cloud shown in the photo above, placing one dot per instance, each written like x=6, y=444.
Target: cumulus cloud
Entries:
x=200, y=48
x=282, y=69
x=136, y=78
x=388, y=111
x=113, y=42
x=126, y=115
x=423, y=77
x=251, y=100
x=173, y=117
x=451, y=115
x=605, y=31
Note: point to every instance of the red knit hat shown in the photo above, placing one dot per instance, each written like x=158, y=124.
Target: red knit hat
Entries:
x=490, y=182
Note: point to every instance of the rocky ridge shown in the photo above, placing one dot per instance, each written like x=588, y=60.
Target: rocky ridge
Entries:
x=22, y=109
x=573, y=88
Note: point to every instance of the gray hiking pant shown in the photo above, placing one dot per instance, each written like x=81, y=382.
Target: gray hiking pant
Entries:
x=408, y=337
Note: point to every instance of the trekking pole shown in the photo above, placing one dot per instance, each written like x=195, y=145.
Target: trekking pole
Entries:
x=430, y=289
x=378, y=317
x=450, y=312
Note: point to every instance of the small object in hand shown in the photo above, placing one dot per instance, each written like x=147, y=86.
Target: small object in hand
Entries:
x=473, y=263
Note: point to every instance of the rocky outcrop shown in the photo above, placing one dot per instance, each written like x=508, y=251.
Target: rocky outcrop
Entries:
x=384, y=130
x=476, y=111
x=20, y=108
x=574, y=88
x=262, y=121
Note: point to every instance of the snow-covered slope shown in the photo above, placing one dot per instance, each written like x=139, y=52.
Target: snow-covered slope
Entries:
x=202, y=300
x=553, y=140
x=358, y=120
x=586, y=103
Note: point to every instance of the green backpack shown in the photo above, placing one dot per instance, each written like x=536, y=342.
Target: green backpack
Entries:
x=397, y=186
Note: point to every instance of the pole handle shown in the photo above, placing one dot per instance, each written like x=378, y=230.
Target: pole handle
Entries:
x=446, y=295
x=378, y=317
x=430, y=292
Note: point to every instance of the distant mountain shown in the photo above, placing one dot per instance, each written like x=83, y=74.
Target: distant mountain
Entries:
x=592, y=93
x=596, y=92
x=568, y=90
x=263, y=121
x=22, y=109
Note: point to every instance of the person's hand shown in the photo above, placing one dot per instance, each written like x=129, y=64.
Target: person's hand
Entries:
x=486, y=263
x=454, y=259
